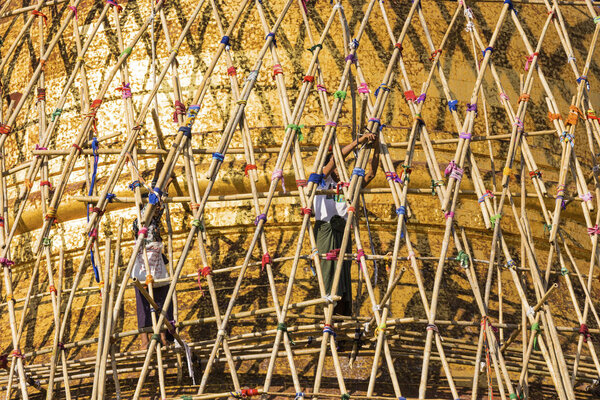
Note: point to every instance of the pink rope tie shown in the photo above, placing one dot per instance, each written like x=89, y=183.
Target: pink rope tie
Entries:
x=278, y=175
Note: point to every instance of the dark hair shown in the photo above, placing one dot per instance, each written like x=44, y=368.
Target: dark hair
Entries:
x=328, y=158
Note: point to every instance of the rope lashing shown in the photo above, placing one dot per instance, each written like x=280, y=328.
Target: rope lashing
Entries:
x=449, y=168
x=398, y=46
x=197, y=223
x=244, y=393
x=180, y=110
x=353, y=45
x=51, y=289
x=358, y=171
x=573, y=116
x=401, y=210
x=340, y=94
x=37, y=13
x=421, y=98
x=248, y=168
x=283, y=328
x=332, y=255
x=127, y=52
x=149, y=279
x=260, y=217
x=41, y=94
x=535, y=329
x=490, y=49
x=55, y=114
x=530, y=59
x=345, y=396
x=114, y=4
x=360, y=253
x=452, y=105
x=272, y=36
x=488, y=193
x=74, y=9
x=597, y=19
x=46, y=183
x=252, y=76
x=50, y=215
x=277, y=70
x=225, y=41
x=553, y=117
x=594, y=230
x=321, y=88
x=16, y=353
x=435, y=54
x=265, y=259
x=463, y=259
x=316, y=46
x=277, y=175
x=511, y=264
x=5, y=262
x=297, y=129
x=566, y=137
x=584, y=331
x=305, y=211
x=511, y=7
x=457, y=173
x=405, y=174
x=363, y=88
x=327, y=328
x=547, y=227
x=380, y=329
x=133, y=185
x=97, y=210
x=494, y=219
x=409, y=95
x=155, y=196
x=584, y=78
x=418, y=119
x=472, y=107
x=352, y=58
x=301, y=183
x=383, y=87
x=504, y=96
x=464, y=135
x=507, y=171
x=218, y=156
x=232, y=71
x=110, y=197
x=564, y=271
x=1, y=222
x=125, y=90
x=330, y=123
x=434, y=328
x=434, y=184
x=587, y=196
x=524, y=97
x=392, y=176
x=591, y=115
x=317, y=179
x=143, y=231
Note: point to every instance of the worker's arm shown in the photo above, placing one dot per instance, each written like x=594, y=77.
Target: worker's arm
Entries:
x=347, y=149
x=374, y=165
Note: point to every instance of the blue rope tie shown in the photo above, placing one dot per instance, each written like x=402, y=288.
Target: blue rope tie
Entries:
x=218, y=156
x=490, y=49
x=95, y=146
x=154, y=198
x=401, y=210
x=225, y=40
x=452, y=105
x=271, y=34
x=133, y=185
x=110, y=197
x=186, y=130
x=316, y=178
x=358, y=171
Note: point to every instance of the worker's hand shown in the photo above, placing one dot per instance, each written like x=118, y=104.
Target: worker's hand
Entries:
x=367, y=137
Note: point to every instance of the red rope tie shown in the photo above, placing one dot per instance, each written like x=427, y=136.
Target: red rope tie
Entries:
x=301, y=182
x=351, y=209
x=1, y=222
x=4, y=129
x=94, y=234
x=195, y=206
x=248, y=168
x=46, y=183
x=309, y=78
x=180, y=109
x=77, y=146
x=266, y=259
x=231, y=71
x=583, y=330
x=398, y=46
x=333, y=254
x=17, y=354
x=249, y=392
x=40, y=14
x=206, y=271
x=530, y=59
x=52, y=289
x=434, y=54
x=41, y=94
x=410, y=95
x=97, y=210
x=305, y=211
x=277, y=69
x=6, y=262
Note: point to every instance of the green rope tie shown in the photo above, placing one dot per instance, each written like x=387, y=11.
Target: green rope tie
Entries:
x=197, y=223
x=512, y=396
x=47, y=242
x=56, y=114
x=564, y=271
x=127, y=51
x=155, y=336
x=435, y=184
x=463, y=258
x=547, y=227
x=186, y=397
x=494, y=219
x=316, y=46
x=345, y=396
x=535, y=329
x=298, y=129
x=340, y=94
x=283, y=328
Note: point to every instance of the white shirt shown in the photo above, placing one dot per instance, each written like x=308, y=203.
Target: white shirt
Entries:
x=326, y=206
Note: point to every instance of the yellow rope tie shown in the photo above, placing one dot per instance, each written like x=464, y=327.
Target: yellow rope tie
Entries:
x=101, y=285
x=51, y=214
x=380, y=329
x=242, y=102
x=507, y=171
x=10, y=297
x=81, y=59
x=28, y=183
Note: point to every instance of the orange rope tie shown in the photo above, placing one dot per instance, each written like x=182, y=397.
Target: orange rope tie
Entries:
x=277, y=70
x=28, y=183
x=195, y=206
x=4, y=129
x=52, y=289
x=573, y=116
x=524, y=97
x=553, y=117
x=149, y=279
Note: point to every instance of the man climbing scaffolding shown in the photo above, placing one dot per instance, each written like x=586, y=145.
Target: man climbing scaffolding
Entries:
x=157, y=262
x=330, y=220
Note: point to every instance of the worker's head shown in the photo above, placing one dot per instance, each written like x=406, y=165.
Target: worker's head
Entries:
x=157, y=170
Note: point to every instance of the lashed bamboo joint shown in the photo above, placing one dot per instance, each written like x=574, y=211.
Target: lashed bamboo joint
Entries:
x=228, y=123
